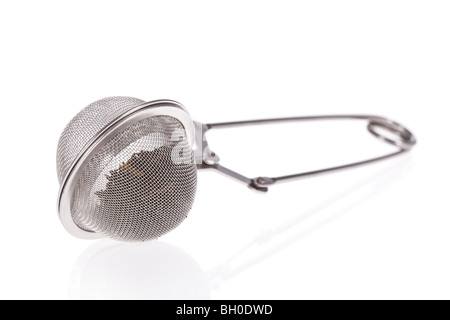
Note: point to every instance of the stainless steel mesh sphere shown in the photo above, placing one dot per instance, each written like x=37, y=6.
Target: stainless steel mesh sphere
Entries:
x=126, y=169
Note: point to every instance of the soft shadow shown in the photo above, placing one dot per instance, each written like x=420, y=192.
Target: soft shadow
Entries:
x=154, y=270
x=157, y=270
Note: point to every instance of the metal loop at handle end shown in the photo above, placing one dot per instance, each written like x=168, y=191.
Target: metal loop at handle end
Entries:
x=405, y=139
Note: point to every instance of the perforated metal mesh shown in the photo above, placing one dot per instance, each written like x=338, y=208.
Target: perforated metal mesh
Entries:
x=86, y=125
x=140, y=185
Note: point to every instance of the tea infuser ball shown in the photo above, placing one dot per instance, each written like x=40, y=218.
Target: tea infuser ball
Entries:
x=128, y=168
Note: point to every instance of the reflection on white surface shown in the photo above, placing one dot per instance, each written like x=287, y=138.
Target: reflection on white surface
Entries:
x=281, y=236
x=157, y=270
x=153, y=270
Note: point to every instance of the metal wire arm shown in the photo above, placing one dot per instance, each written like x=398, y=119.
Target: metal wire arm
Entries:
x=405, y=141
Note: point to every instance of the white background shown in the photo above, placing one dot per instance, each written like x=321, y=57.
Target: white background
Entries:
x=378, y=232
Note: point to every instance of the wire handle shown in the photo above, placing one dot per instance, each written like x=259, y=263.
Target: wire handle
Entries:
x=404, y=140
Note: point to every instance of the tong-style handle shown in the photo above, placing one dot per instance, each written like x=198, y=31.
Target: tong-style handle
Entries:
x=405, y=141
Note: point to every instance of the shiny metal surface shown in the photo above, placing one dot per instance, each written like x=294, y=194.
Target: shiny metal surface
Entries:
x=404, y=140
x=128, y=169
x=145, y=127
